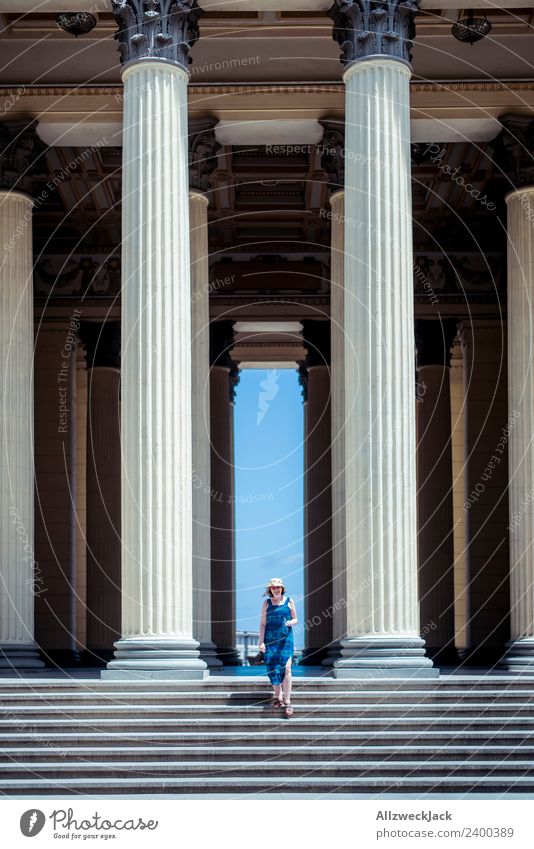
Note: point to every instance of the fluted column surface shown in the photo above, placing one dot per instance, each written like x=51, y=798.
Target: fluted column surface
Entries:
x=156, y=376
x=339, y=618
x=17, y=583
x=521, y=406
x=381, y=553
x=200, y=372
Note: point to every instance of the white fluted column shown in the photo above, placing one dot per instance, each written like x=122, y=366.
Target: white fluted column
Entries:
x=434, y=488
x=18, y=579
x=198, y=215
x=156, y=437
x=382, y=635
x=103, y=489
x=337, y=370
x=520, y=655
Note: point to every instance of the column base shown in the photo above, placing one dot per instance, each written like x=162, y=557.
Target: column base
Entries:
x=314, y=656
x=20, y=656
x=152, y=658
x=208, y=653
x=520, y=656
x=383, y=657
x=333, y=653
x=443, y=655
x=229, y=656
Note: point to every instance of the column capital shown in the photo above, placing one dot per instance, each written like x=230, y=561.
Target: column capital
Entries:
x=513, y=149
x=365, y=28
x=102, y=342
x=20, y=152
x=333, y=152
x=157, y=29
x=434, y=340
x=203, y=149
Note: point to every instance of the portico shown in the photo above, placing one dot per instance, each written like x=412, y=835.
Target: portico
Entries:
x=333, y=214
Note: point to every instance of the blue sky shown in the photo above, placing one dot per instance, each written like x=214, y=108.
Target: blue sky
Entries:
x=269, y=489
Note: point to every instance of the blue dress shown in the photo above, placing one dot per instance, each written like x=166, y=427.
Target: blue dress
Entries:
x=278, y=639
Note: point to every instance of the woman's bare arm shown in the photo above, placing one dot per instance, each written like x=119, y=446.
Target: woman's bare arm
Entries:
x=293, y=609
x=263, y=622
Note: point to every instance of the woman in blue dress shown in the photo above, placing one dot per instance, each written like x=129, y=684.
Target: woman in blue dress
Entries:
x=278, y=615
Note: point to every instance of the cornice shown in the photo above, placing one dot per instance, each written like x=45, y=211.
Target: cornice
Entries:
x=267, y=88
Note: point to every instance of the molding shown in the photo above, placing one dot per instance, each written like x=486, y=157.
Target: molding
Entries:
x=265, y=88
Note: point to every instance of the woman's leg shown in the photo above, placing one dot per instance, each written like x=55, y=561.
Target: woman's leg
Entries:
x=277, y=692
x=286, y=683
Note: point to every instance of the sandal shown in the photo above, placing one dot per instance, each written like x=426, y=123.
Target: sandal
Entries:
x=276, y=703
x=288, y=709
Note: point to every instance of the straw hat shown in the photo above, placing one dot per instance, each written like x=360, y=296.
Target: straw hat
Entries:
x=274, y=582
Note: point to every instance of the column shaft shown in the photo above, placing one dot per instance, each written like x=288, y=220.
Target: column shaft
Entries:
x=459, y=474
x=520, y=655
x=198, y=214
x=55, y=361
x=222, y=516
x=19, y=578
x=435, y=511
x=379, y=410
x=318, y=507
x=156, y=380
x=103, y=513
x=488, y=428
x=337, y=374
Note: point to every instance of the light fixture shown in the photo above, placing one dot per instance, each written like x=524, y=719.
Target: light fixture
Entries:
x=470, y=29
x=76, y=23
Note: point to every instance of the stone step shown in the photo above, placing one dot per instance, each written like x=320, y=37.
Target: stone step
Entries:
x=489, y=681
x=273, y=723
x=502, y=784
x=329, y=711
x=13, y=699
x=283, y=768
x=405, y=753
x=286, y=734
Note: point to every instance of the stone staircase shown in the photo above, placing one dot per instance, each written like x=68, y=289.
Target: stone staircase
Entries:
x=451, y=735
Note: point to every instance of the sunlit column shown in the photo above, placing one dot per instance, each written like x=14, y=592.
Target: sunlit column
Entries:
x=520, y=202
x=382, y=636
x=156, y=489
x=19, y=578
x=202, y=162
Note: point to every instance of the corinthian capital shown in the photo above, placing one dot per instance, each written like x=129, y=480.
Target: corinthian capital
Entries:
x=156, y=29
x=365, y=28
x=21, y=155
x=203, y=148
x=514, y=149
